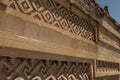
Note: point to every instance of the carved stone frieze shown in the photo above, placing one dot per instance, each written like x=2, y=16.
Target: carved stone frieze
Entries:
x=103, y=66
x=108, y=38
x=109, y=41
x=89, y=7
x=55, y=14
x=29, y=69
x=83, y=4
x=51, y=12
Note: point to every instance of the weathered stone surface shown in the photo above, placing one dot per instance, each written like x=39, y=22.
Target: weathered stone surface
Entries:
x=58, y=40
x=26, y=69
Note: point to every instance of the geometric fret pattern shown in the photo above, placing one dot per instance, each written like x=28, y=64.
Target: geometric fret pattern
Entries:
x=29, y=69
x=55, y=14
x=109, y=39
x=103, y=66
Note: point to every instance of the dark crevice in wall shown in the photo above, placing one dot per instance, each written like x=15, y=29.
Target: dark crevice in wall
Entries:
x=2, y=7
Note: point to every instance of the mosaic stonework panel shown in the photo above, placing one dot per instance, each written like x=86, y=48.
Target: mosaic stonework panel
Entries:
x=83, y=4
x=55, y=14
x=103, y=66
x=28, y=69
x=109, y=38
x=109, y=41
x=91, y=7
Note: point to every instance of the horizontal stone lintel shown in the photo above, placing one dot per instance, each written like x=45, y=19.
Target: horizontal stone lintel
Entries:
x=10, y=41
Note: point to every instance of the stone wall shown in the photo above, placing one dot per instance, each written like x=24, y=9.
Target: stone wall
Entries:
x=57, y=40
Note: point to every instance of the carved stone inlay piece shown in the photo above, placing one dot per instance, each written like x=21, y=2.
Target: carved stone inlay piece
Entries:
x=28, y=69
x=55, y=14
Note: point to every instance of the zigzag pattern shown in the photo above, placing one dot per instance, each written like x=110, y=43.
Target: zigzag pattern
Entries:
x=104, y=66
x=28, y=69
x=55, y=14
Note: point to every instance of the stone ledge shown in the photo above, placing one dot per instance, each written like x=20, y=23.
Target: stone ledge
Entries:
x=5, y=2
x=101, y=74
x=8, y=40
x=106, y=24
x=24, y=43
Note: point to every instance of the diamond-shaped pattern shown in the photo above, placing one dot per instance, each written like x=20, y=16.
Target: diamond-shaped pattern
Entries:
x=25, y=6
x=54, y=14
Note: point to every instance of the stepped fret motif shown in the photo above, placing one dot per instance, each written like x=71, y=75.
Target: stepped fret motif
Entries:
x=109, y=38
x=55, y=14
x=103, y=66
x=27, y=69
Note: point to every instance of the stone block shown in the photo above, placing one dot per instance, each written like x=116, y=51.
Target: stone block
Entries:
x=31, y=30
x=14, y=25
x=2, y=20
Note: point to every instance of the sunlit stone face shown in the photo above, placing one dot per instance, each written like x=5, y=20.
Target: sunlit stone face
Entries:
x=19, y=78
